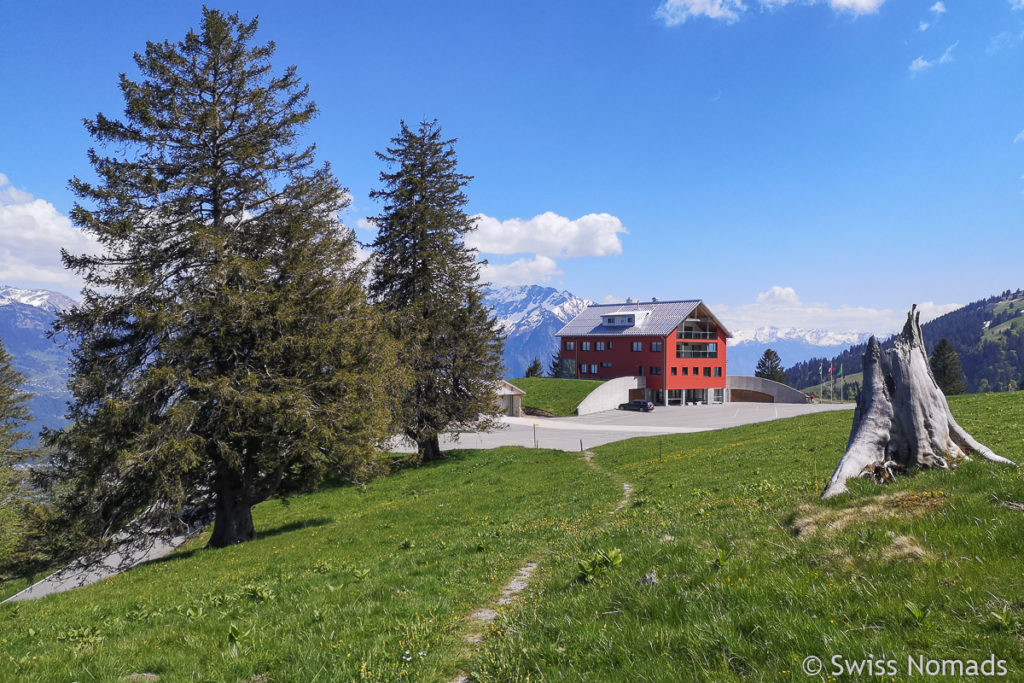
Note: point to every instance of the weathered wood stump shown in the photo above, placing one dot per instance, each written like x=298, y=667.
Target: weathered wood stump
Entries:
x=902, y=418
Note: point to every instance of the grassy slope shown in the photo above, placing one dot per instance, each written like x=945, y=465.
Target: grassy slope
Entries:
x=558, y=396
x=291, y=604
x=739, y=593
x=1015, y=306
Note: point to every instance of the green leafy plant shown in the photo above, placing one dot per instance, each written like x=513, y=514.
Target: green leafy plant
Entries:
x=603, y=560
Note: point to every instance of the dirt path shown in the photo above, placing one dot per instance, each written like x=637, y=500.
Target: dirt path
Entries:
x=478, y=621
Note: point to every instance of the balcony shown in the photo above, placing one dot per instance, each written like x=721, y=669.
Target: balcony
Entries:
x=696, y=354
x=685, y=350
x=696, y=334
x=693, y=328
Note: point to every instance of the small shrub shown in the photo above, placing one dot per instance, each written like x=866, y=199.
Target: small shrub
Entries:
x=600, y=562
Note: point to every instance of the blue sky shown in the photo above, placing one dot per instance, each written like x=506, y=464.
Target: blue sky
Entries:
x=811, y=164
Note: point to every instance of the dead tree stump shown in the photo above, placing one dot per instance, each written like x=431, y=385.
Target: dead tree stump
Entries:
x=902, y=418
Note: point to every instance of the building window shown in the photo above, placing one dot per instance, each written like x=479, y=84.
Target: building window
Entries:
x=707, y=372
x=674, y=372
x=655, y=346
x=696, y=371
x=584, y=346
x=655, y=370
x=638, y=346
x=691, y=350
x=684, y=371
x=583, y=368
x=606, y=364
x=570, y=346
x=630, y=320
x=719, y=395
x=599, y=346
x=718, y=372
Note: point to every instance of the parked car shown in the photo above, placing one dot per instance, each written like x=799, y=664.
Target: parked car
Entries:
x=637, y=404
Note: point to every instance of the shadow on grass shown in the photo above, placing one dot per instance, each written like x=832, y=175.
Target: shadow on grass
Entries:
x=260, y=535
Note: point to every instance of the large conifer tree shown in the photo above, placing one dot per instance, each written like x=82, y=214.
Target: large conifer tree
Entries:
x=427, y=280
x=945, y=364
x=226, y=352
x=14, y=416
x=770, y=367
x=14, y=413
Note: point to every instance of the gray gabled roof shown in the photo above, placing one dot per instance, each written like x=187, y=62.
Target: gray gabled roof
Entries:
x=663, y=317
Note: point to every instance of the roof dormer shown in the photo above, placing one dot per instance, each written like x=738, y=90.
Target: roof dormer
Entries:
x=624, y=318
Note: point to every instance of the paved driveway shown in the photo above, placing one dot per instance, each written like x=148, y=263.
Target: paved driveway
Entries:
x=588, y=431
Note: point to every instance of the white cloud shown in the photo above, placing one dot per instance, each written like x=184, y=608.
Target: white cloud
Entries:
x=551, y=235
x=921, y=63
x=856, y=6
x=524, y=271
x=779, y=296
x=923, y=26
x=781, y=307
x=947, y=56
x=675, y=12
x=366, y=224
x=1019, y=138
x=1017, y=4
x=939, y=8
x=32, y=233
x=1003, y=41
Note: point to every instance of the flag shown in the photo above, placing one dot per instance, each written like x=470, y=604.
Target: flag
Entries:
x=840, y=369
x=830, y=368
x=820, y=366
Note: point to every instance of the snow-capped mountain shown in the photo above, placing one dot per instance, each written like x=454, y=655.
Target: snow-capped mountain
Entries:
x=38, y=298
x=25, y=318
x=793, y=345
x=529, y=316
x=767, y=335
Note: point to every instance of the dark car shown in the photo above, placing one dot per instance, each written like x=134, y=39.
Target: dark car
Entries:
x=637, y=404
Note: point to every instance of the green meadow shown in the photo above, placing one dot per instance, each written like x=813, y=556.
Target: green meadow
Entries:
x=723, y=564
x=555, y=395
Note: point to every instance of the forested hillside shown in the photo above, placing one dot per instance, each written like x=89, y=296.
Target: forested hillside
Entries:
x=988, y=335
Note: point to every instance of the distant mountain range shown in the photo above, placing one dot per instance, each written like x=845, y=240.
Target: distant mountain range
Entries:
x=25, y=318
x=988, y=335
x=529, y=316
x=793, y=345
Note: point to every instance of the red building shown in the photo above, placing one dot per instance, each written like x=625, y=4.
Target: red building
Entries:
x=677, y=347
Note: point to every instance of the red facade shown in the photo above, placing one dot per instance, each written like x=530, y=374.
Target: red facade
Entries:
x=689, y=361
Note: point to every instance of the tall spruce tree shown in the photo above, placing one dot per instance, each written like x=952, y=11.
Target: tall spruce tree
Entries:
x=770, y=367
x=14, y=416
x=427, y=281
x=555, y=366
x=946, y=368
x=14, y=413
x=226, y=352
x=535, y=369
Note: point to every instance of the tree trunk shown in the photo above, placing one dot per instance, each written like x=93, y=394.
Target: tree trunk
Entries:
x=429, y=448
x=233, y=520
x=902, y=419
